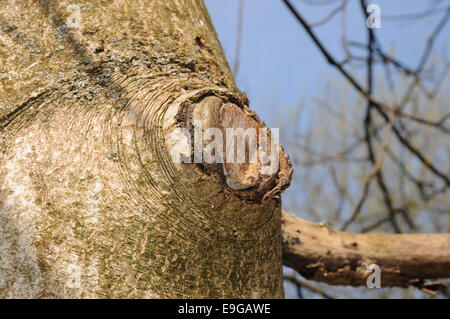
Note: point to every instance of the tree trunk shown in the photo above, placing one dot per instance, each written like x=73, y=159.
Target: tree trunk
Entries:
x=91, y=204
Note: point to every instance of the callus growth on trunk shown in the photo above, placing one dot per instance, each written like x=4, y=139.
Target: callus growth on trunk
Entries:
x=92, y=204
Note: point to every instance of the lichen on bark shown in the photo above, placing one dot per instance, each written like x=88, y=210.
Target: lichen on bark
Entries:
x=90, y=203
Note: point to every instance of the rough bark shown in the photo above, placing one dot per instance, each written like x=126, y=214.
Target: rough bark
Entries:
x=320, y=253
x=91, y=204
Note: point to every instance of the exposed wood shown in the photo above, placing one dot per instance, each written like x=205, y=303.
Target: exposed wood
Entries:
x=91, y=204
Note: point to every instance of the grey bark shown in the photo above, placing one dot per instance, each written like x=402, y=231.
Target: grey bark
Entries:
x=91, y=204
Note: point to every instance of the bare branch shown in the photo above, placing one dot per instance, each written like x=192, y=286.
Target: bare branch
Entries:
x=320, y=253
x=380, y=107
x=330, y=15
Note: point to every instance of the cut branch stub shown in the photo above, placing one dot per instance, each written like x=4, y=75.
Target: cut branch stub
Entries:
x=231, y=143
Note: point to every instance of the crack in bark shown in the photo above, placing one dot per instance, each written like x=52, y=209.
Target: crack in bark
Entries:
x=320, y=253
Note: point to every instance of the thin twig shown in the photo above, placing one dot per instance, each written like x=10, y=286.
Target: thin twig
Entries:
x=303, y=284
x=237, y=51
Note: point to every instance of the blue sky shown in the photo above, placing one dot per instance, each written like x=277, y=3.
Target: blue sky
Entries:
x=280, y=65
